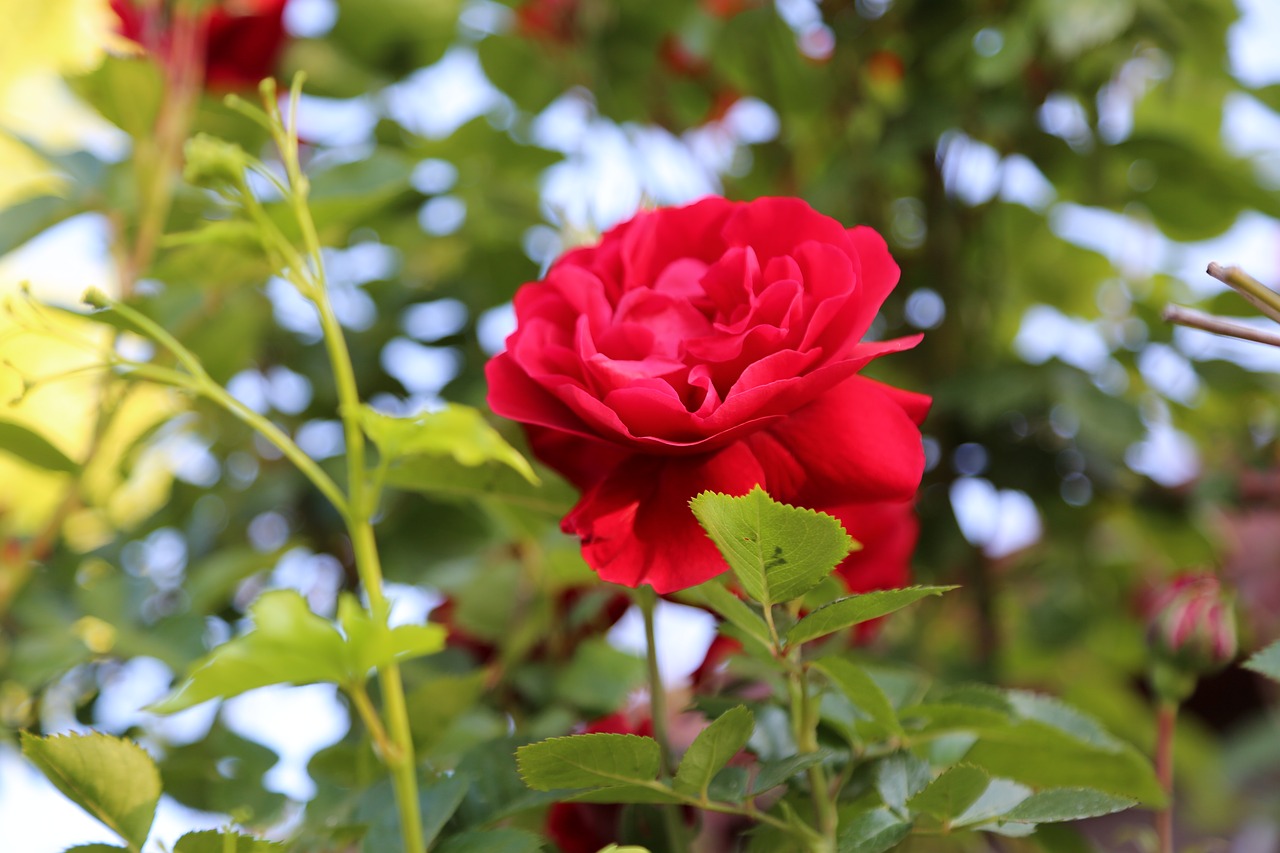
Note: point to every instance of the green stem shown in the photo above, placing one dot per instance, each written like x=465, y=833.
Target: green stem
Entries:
x=361, y=497
x=369, y=716
x=199, y=382
x=647, y=598
x=804, y=715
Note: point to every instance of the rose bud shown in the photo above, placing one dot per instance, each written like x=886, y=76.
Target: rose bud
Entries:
x=1192, y=625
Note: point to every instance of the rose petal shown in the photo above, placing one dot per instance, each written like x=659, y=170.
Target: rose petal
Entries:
x=636, y=526
x=879, y=274
x=855, y=443
x=775, y=226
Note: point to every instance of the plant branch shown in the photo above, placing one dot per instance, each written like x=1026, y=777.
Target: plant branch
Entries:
x=647, y=598
x=1166, y=718
x=1255, y=292
x=1207, y=322
x=361, y=498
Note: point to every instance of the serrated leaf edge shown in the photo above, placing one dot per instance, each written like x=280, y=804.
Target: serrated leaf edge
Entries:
x=27, y=737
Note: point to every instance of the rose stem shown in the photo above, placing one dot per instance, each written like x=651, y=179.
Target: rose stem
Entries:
x=647, y=598
x=1165, y=719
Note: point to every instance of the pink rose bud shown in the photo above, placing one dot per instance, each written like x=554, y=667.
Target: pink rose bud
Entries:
x=1193, y=624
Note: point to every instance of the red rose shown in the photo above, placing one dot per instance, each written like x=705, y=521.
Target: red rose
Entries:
x=242, y=39
x=548, y=20
x=709, y=347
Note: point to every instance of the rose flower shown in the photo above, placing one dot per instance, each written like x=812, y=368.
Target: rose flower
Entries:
x=242, y=39
x=708, y=347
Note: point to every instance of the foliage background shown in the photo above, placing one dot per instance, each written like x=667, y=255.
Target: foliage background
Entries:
x=1046, y=173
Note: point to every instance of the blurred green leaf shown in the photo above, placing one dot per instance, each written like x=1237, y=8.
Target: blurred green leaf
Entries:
x=34, y=449
x=872, y=831
x=1064, y=804
x=948, y=796
x=291, y=645
x=459, y=432
x=899, y=777
x=112, y=779
x=223, y=772
x=854, y=682
x=212, y=841
x=599, y=676
x=1266, y=662
x=492, y=841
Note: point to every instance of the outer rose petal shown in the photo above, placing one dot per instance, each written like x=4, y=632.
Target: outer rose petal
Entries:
x=879, y=273
x=582, y=461
x=636, y=526
x=887, y=533
x=854, y=443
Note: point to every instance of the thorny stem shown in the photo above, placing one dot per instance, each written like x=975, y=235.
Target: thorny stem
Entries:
x=647, y=598
x=1166, y=717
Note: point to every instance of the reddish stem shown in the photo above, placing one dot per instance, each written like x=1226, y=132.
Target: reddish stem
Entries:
x=1166, y=716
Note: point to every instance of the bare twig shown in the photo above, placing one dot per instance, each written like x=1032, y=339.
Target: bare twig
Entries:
x=1207, y=322
x=1255, y=292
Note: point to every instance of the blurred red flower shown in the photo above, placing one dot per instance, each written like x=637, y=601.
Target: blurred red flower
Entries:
x=242, y=39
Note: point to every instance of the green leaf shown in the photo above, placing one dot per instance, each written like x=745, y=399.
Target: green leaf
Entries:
x=288, y=645
x=952, y=793
x=600, y=676
x=901, y=776
x=112, y=779
x=372, y=643
x=223, y=772
x=862, y=691
x=213, y=841
x=999, y=798
x=621, y=794
x=95, y=848
x=712, y=749
x=775, y=773
x=1266, y=662
x=589, y=761
x=127, y=91
x=734, y=610
x=872, y=832
x=1063, y=804
x=34, y=449
x=291, y=645
x=854, y=609
x=439, y=802
x=778, y=552
x=492, y=841
x=1041, y=756
x=496, y=487
x=456, y=431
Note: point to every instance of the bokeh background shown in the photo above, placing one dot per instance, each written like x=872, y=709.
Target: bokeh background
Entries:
x=1048, y=174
